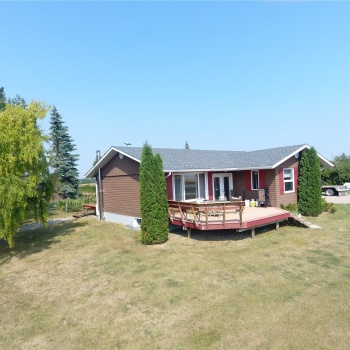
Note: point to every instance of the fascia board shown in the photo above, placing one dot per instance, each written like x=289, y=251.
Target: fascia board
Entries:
x=325, y=160
x=291, y=155
x=216, y=170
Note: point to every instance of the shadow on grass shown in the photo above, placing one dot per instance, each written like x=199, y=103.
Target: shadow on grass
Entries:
x=37, y=240
x=225, y=235
x=213, y=235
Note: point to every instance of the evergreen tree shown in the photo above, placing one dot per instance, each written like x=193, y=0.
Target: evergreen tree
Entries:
x=309, y=189
x=2, y=99
x=17, y=101
x=63, y=160
x=187, y=146
x=160, y=211
x=152, y=198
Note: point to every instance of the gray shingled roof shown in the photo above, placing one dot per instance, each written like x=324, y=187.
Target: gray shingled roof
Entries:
x=188, y=159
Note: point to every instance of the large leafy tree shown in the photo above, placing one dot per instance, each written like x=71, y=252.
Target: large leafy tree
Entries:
x=153, y=200
x=340, y=173
x=25, y=183
x=62, y=158
x=310, y=187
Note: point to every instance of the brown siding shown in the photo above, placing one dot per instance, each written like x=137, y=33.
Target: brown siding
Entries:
x=239, y=183
x=287, y=197
x=117, y=166
x=121, y=195
x=121, y=187
x=271, y=185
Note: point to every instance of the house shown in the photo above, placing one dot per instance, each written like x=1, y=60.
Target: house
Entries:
x=197, y=174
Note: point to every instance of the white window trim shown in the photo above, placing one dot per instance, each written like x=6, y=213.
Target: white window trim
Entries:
x=251, y=180
x=183, y=183
x=230, y=180
x=291, y=180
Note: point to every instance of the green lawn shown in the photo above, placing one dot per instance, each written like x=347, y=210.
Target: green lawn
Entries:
x=92, y=285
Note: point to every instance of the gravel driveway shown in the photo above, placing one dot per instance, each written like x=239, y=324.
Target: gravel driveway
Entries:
x=338, y=199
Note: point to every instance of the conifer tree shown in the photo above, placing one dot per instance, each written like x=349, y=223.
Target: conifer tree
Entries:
x=63, y=160
x=154, y=223
x=2, y=99
x=310, y=187
x=161, y=220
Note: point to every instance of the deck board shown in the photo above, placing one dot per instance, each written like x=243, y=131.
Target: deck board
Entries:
x=252, y=217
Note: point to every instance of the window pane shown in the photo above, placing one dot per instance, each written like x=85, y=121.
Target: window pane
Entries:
x=178, y=188
x=255, y=179
x=190, y=186
x=201, y=193
x=287, y=174
x=288, y=186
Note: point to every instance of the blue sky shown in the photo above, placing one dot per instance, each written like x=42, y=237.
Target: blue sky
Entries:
x=221, y=75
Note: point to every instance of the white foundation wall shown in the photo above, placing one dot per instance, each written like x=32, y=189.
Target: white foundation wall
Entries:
x=128, y=221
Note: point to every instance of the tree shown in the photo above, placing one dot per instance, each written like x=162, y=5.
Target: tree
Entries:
x=154, y=223
x=62, y=159
x=17, y=101
x=160, y=210
x=2, y=99
x=187, y=146
x=310, y=187
x=340, y=173
x=25, y=182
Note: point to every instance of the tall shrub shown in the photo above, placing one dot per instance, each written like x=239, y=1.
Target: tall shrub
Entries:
x=161, y=220
x=309, y=189
x=154, y=223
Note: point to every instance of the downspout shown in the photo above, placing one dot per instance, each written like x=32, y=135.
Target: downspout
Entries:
x=100, y=196
x=168, y=175
x=99, y=188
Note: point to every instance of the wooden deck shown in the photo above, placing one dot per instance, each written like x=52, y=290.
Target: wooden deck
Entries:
x=223, y=216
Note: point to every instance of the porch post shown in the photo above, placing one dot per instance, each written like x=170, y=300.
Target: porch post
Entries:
x=253, y=233
x=277, y=226
x=188, y=232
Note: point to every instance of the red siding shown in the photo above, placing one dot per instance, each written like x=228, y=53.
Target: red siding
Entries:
x=210, y=186
x=248, y=180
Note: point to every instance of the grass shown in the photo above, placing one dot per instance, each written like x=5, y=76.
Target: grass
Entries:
x=87, y=284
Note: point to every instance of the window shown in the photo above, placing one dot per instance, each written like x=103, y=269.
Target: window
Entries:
x=255, y=179
x=189, y=186
x=288, y=177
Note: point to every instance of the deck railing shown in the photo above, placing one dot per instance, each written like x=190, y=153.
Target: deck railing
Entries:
x=194, y=212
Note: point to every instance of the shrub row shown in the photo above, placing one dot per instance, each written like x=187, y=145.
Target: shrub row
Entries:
x=71, y=205
x=327, y=207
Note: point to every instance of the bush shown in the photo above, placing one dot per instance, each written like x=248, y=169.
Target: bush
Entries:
x=328, y=207
x=70, y=205
x=292, y=207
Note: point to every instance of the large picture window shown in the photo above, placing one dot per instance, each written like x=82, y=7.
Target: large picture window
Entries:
x=288, y=177
x=255, y=179
x=189, y=186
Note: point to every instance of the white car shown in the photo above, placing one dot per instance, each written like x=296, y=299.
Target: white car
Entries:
x=347, y=185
